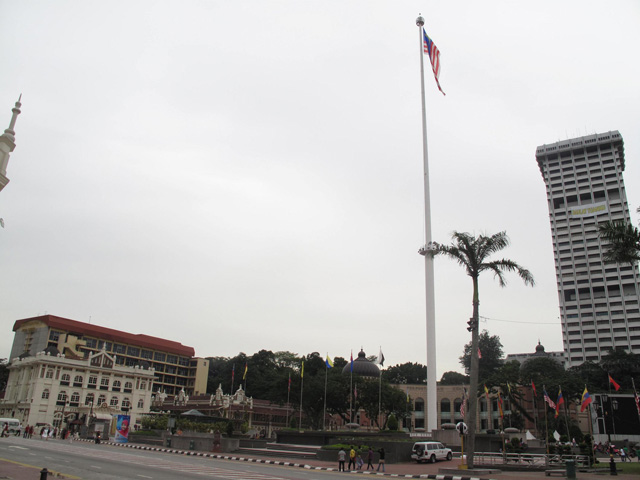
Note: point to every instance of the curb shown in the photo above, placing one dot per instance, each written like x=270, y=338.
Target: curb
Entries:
x=281, y=463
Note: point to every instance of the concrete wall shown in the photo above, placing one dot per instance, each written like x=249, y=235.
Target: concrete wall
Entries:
x=203, y=442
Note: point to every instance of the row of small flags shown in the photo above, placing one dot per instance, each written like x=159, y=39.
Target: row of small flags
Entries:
x=584, y=401
x=233, y=372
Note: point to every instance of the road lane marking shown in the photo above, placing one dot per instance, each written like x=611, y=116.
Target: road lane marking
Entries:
x=51, y=472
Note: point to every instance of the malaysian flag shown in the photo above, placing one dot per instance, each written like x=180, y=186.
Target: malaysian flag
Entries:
x=434, y=56
x=548, y=399
x=635, y=396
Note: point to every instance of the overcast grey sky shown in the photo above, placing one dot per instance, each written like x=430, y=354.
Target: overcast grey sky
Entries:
x=239, y=176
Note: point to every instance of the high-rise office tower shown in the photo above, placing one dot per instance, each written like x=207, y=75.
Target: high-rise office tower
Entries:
x=598, y=300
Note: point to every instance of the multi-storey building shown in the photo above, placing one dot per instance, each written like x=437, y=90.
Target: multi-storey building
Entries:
x=540, y=352
x=598, y=300
x=174, y=364
x=449, y=408
x=51, y=388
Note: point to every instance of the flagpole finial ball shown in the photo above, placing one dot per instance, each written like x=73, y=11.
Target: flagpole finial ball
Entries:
x=420, y=21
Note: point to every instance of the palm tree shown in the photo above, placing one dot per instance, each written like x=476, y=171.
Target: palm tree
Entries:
x=473, y=254
x=624, y=241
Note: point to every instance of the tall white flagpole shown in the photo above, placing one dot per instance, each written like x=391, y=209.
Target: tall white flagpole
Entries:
x=301, y=390
x=288, y=395
x=351, y=392
x=432, y=393
x=324, y=410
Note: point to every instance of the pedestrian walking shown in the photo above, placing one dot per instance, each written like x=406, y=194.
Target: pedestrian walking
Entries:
x=342, y=456
x=352, y=458
x=370, y=459
x=359, y=462
x=381, y=459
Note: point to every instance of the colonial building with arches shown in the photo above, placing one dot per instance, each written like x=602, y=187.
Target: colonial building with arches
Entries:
x=50, y=388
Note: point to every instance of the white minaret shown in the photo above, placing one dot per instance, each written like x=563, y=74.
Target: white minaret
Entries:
x=8, y=144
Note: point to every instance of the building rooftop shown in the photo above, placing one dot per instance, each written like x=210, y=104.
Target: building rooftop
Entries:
x=581, y=142
x=81, y=329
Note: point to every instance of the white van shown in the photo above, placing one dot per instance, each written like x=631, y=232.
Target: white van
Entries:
x=14, y=425
x=430, y=451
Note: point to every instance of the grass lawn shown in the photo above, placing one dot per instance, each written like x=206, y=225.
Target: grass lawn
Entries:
x=631, y=468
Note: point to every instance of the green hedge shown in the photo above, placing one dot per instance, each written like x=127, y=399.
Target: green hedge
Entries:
x=160, y=422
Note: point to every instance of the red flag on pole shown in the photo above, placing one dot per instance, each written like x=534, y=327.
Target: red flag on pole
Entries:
x=614, y=383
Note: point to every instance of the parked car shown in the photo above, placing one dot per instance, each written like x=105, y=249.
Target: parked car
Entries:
x=430, y=451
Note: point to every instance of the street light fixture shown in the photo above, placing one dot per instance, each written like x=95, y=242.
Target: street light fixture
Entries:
x=90, y=413
x=64, y=405
x=608, y=414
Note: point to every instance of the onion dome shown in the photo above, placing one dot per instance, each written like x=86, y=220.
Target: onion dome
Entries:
x=362, y=367
x=540, y=350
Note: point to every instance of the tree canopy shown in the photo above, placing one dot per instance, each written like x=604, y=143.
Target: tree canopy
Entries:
x=412, y=373
x=4, y=373
x=490, y=358
x=454, y=378
x=268, y=373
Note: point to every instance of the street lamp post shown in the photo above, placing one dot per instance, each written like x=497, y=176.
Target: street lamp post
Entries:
x=608, y=414
x=90, y=413
x=614, y=408
x=64, y=405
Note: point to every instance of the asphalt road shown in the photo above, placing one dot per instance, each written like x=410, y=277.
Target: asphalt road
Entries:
x=22, y=459
x=82, y=460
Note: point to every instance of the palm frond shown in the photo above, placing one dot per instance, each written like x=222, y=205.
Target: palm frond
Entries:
x=623, y=241
x=505, y=265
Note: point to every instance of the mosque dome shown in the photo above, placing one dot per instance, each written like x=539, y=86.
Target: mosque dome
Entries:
x=362, y=367
x=540, y=351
